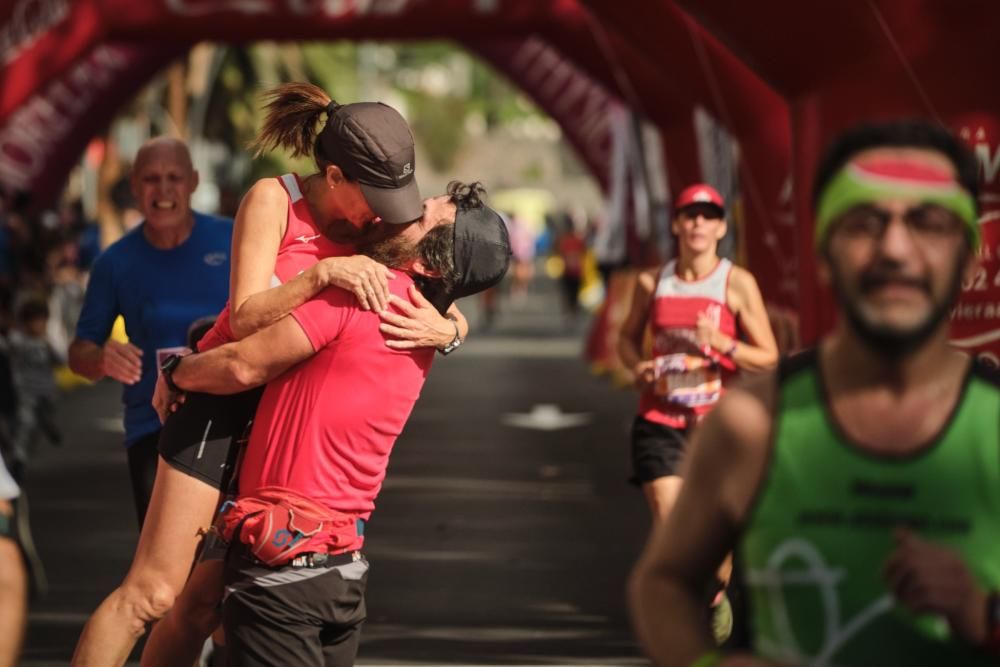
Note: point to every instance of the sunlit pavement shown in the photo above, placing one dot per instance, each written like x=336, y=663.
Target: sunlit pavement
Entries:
x=503, y=535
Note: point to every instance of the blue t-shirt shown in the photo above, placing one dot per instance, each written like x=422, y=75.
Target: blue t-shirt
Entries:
x=159, y=293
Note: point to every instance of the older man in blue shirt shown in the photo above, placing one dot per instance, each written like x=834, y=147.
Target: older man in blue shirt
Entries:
x=170, y=270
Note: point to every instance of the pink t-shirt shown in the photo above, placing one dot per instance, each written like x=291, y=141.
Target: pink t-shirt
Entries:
x=302, y=246
x=326, y=427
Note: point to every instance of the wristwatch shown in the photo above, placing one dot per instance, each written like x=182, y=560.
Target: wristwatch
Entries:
x=168, y=367
x=455, y=342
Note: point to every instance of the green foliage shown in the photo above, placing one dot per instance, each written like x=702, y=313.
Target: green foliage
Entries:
x=439, y=125
x=333, y=67
x=532, y=173
x=439, y=83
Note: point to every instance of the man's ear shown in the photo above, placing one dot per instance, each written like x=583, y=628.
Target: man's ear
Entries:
x=421, y=269
x=195, y=179
x=333, y=175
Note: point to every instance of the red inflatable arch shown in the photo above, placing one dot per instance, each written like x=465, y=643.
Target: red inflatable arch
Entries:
x=840, y=63
x=782, y=77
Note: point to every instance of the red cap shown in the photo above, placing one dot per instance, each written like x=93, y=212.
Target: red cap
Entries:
x=699, y=193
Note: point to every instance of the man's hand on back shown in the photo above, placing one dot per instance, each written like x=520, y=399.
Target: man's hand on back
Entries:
x=417, y=324
x=122, y=361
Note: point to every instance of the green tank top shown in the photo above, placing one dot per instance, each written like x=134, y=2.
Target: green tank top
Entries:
x=820, y=532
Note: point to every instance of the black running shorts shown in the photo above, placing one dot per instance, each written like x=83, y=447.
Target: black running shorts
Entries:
x=293, y=616
x=657, y=450
x=197, y=439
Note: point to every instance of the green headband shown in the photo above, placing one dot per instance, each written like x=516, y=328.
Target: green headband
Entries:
x=857, y=184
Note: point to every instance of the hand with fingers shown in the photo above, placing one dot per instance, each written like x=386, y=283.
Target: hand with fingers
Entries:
x=165, y=400
x=928, y=578
x=645, y=374
x=122, y=361
x=363, y=276
x=416, y=324
x=710, y=337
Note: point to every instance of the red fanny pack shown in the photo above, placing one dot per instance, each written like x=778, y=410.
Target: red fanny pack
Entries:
x=278, y=524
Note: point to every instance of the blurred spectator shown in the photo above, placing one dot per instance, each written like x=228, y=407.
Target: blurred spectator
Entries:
x=571, y=247
x=522, y=242
x=66, y=290
x=84, y=233
x=124, y=201
x=33, y=363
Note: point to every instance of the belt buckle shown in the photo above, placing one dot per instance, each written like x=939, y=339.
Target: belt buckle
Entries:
x=313, y=559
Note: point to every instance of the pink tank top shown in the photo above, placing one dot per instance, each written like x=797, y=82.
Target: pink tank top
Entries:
x=302, y=246
x=689, y=376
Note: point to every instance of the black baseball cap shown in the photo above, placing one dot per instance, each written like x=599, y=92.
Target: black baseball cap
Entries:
x=482, y=256
x=373, y=145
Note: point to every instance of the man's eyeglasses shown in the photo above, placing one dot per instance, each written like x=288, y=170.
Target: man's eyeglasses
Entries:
x=927, y=222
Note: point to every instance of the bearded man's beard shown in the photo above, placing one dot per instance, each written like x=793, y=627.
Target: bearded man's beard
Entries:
x=891, y=341
x=393, y=251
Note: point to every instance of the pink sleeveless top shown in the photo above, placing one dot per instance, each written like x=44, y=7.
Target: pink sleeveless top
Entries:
x=689, y=376
x=302, y=246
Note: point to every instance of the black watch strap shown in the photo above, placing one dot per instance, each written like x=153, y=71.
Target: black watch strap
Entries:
x=167, y=368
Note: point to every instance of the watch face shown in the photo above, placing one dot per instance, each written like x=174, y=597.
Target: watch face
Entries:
x=164, y=354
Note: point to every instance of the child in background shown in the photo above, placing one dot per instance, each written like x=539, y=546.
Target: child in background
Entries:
x=33, y=362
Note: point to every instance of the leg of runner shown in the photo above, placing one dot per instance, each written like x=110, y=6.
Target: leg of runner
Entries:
x=13, y=591
x=179, y=637
x=142, y=465
x=661, y=494
x=180, y=510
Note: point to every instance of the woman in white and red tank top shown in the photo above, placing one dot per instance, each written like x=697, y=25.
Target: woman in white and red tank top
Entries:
x=695, y=308
x=282, y=256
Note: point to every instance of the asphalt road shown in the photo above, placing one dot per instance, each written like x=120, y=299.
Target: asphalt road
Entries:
x=492, y=543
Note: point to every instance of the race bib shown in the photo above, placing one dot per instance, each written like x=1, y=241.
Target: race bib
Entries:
x=686, y=380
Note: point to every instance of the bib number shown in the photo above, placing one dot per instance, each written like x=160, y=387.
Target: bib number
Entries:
x=686, y=380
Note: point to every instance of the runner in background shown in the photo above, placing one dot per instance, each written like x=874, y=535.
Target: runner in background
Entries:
x=860, y=482
x=708, y=321
x=170, y=270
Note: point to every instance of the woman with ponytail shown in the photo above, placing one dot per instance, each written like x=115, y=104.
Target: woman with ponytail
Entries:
x=294, y=236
